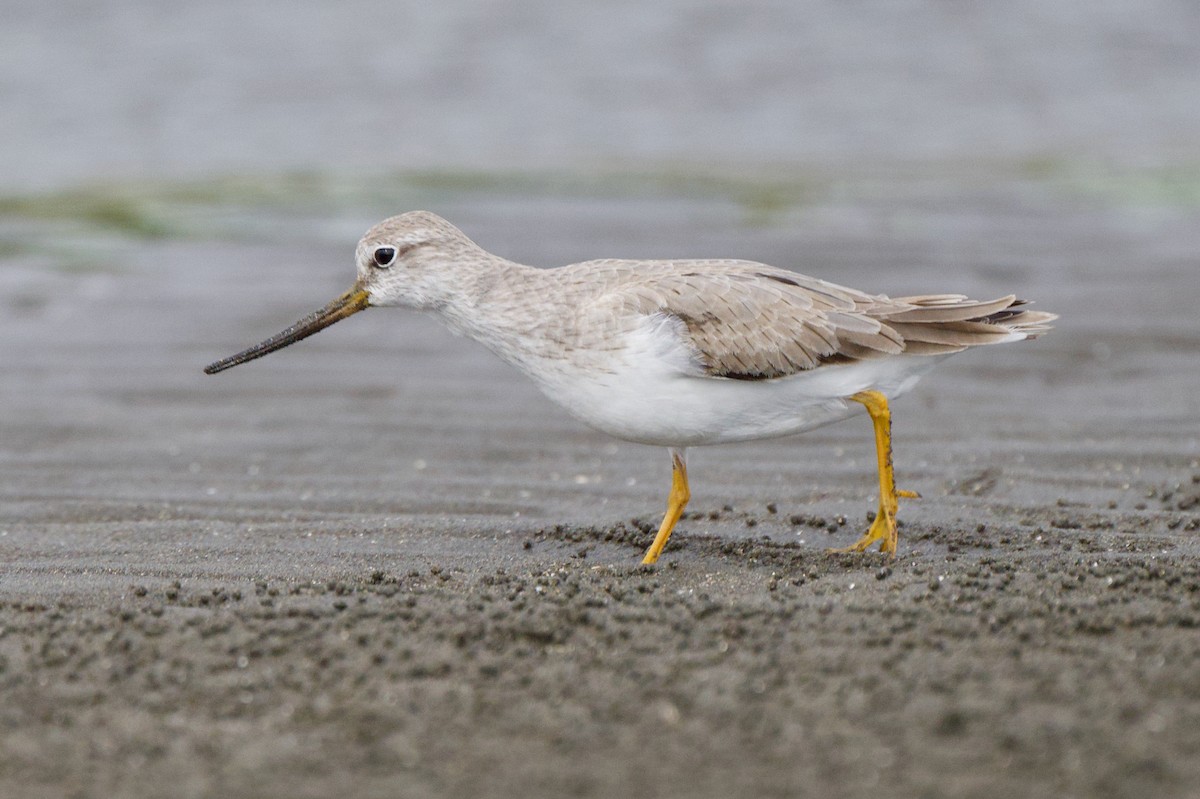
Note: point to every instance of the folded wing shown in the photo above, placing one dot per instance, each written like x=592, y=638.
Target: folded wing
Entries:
x=749, y=321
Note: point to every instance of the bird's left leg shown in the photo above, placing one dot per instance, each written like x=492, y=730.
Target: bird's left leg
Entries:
x=677, y=500
x=883, y=529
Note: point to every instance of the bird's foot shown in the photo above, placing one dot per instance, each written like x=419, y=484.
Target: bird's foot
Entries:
x=883, y=529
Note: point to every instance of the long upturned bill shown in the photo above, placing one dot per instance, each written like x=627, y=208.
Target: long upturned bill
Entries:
x=353, y=301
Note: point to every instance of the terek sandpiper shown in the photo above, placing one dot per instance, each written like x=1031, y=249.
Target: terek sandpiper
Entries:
x=677, y=353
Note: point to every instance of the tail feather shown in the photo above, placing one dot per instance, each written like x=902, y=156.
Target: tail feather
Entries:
x=944, y=323
x=945, y=308
x=957, y=334
x=1031, y=323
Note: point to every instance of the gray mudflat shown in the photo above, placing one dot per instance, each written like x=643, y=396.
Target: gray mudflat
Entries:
x=380, y=564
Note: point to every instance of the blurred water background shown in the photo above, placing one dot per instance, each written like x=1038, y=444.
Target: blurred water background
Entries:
x=141, y=91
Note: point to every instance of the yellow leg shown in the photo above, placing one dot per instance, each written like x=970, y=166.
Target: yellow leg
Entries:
x=676, y=502
x=884, y=527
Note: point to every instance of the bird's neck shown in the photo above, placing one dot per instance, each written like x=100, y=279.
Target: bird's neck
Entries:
x=494, y=303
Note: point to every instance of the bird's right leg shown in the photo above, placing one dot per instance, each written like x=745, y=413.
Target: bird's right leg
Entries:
x=883, y=529
x=677, y=500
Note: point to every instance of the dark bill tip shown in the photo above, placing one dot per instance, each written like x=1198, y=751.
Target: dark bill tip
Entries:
x=351, y=302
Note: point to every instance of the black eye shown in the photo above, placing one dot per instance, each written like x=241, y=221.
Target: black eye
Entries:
x=385, y=256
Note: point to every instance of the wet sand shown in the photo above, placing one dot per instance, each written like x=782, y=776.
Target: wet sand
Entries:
x=380, y=564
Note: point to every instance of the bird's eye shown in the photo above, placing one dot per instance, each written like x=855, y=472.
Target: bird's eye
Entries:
x=385, y=256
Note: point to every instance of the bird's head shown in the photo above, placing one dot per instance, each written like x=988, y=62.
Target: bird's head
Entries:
x=412, y=260
x=406, y=261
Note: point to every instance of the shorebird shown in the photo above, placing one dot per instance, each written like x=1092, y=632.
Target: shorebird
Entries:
x=677, y=353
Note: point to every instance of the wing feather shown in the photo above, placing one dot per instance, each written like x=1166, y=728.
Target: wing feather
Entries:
x=750, y=321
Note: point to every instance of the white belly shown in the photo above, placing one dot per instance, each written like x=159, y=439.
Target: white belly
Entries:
x=652, y=396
